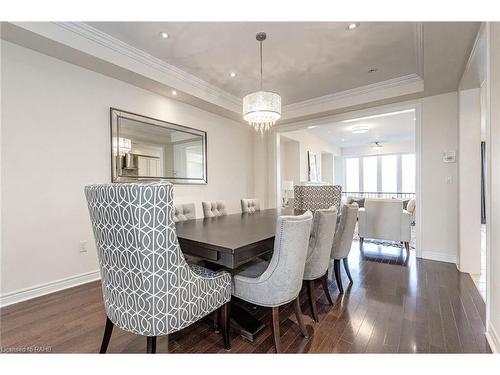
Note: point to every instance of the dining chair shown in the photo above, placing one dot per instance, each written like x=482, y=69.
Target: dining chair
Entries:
x=278, y=282
x=148, y=287
x=250, y=205
x=318, y=255
x=184, y=211
x=214, y=208
x=342, y=241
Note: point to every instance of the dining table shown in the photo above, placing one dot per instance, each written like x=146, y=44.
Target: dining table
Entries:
x=228, y=242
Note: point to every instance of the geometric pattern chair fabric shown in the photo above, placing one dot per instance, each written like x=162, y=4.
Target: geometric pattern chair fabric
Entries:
x=185, y=211
x=314, y=197
x=250, y=205
x=148, y=287
x=214, y=208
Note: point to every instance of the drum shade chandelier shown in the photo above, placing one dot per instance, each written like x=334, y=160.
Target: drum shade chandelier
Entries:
x=261, y=109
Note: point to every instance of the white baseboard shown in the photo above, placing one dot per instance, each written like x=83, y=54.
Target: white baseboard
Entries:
x=47, y=288
x=493, y=339
x=440, y=257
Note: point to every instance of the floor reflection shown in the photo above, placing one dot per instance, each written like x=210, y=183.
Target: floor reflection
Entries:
x=382, y=254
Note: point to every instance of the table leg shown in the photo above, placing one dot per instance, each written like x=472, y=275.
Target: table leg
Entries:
x=244, y=321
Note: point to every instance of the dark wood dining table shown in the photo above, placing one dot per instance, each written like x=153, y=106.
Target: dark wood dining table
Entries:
x=229, y=242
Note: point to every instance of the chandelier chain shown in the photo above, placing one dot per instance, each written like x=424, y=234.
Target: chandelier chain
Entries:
x=260, y=64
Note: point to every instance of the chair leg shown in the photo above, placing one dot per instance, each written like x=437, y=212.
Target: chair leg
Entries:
x=216, y=320
x=223, y=314
x=300, y=319
x=324, y=284
x=276, y=329
x=407, y=246
x=151, y=344
x=361, y=240
x=338, y=278
x=108, y=329
x=311, y=295
x=346, y=267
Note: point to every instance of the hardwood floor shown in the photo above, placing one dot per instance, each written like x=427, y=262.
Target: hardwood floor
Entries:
x=395, y=305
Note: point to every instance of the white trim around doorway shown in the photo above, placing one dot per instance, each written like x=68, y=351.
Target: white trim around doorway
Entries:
x=362, y=113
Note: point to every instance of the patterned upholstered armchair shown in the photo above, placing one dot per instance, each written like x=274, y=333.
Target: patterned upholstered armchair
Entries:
x=318, y=255
x=214, y=208
x=148, y=287
x=249, y=206
x=314, y=197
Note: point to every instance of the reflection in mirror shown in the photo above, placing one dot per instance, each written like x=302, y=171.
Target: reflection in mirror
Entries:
x=145, y=148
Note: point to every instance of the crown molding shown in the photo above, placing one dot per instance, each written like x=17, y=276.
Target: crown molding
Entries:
x=419, y=48
x=138, y=55
x=142, y=57
x=474, y=54
x=87, y=39
x=404, y=85
x=99, y=45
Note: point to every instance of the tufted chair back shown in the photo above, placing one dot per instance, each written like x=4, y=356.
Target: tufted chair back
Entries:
x=250, y=206
x=183, y=212
x=281, y=281
x=320, y=243
x=345, y=230
x=148, y=287
x=214, y=208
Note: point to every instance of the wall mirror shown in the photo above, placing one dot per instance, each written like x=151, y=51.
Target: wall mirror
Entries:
x=147, y=149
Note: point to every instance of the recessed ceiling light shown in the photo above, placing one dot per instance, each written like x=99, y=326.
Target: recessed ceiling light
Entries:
x=174, y=92
x=359, y=129
x=233, y=74
x=352, y=26
x=379, y=115
x=372, y=70
x=342, y=140
x=164, y=35
x=312, y=127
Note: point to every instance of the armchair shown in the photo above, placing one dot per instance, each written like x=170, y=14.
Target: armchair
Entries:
x=148, y=287
x=384, y=219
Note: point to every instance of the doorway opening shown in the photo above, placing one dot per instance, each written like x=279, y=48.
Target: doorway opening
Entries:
x=370, y=154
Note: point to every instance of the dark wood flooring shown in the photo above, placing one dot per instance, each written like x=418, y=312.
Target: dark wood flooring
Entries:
x=396, y=305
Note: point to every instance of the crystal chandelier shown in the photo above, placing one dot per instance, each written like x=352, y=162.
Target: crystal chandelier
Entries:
x=261, y=109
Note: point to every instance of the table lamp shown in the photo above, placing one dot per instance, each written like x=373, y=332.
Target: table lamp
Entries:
x=287, y=186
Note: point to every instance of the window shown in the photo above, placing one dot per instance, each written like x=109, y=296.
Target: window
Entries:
x=352, y=174
x=370, y=173
x=390, y=173
x=408, y=173
x=393, y=173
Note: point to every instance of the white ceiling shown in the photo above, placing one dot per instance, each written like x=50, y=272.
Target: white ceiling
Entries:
x=392, y=128
x=302, y=60
x=320, y=69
